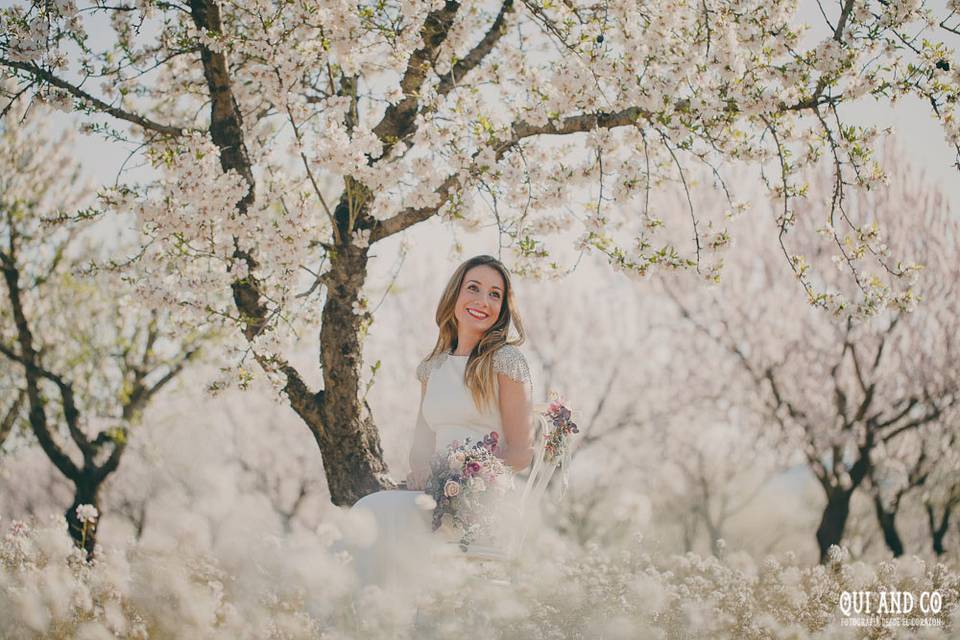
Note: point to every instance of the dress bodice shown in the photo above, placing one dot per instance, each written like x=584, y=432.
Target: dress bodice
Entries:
x=448, y=406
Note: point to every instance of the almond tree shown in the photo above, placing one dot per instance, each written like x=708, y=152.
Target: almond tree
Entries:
x=940, y=490
x=85, y=360
x=913, y=463
x=845, y=392
x=939, y=506
x=395, y=113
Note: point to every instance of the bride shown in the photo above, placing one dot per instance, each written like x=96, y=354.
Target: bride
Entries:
x=473, y=382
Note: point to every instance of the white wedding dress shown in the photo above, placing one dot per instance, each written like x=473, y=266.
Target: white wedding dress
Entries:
x=403, y=539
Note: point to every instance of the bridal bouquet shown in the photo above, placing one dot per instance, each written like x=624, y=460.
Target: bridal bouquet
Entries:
x=462, y=482
x=559, y=417
x=556, y=430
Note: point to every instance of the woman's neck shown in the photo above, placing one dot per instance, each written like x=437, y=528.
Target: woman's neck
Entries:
x=466, y=344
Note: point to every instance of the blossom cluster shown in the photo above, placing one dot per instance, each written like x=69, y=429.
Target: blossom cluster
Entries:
x=193, y=234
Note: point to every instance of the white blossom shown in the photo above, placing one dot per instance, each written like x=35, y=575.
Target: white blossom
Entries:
x=87, y=513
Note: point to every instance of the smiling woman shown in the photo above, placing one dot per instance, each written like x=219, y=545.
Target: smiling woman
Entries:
x=474, y=316
x=473, y=384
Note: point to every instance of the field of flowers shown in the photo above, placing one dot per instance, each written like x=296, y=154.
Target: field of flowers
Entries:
x=293, y=588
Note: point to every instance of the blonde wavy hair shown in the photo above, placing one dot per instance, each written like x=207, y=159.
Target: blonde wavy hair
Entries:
x=479, y=375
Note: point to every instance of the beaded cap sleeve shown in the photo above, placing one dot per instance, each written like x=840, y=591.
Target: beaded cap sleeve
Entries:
x=424, y=368
x=510, y=361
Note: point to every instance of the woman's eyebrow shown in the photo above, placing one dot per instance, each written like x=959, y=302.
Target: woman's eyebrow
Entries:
x=478, y=282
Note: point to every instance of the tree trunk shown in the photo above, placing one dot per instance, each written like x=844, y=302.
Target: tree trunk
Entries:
x=714, y=531
x=84, y=534
x=888, y=525
x=140, y=522
x=938, y=537
x=938, y=531
x=348, y=438
x=688, y=524
x=833, y=521
x=341, y=424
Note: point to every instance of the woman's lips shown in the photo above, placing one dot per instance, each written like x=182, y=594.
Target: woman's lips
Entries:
x=479, y=315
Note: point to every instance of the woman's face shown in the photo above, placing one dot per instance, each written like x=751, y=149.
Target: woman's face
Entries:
x=480, y=299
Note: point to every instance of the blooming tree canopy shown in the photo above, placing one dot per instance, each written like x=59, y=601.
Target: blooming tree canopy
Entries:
x=288, y=138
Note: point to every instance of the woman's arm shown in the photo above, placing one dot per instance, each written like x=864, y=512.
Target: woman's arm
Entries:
x=424, y=444
x=516, y=416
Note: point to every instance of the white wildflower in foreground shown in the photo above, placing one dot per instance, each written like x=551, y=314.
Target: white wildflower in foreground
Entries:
x=87, y=513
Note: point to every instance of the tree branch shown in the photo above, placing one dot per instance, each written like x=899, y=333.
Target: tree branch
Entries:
x=70, y=412
x=94, y=102
x=473, y=59
x=226, y=130
x=930, y=416
x=842, y=22
x=868, y=389
x=910, y=404
x=10, y=417
x=398, y=120
x=28, y=357
x=142, y=393
x=111, y=463
x=308, y=404
x=520, y=130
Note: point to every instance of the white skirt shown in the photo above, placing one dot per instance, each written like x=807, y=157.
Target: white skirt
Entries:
x=402, y=543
